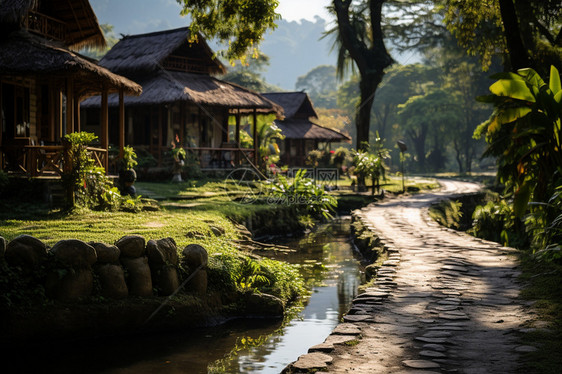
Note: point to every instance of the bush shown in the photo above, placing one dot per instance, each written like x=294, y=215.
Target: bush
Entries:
x=496, y=221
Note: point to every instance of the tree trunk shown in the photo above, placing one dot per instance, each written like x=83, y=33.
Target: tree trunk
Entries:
x=518, y=56
x=367, y=85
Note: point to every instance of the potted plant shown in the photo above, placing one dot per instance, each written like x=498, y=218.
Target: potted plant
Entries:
x=128, y=175
x=178, y=153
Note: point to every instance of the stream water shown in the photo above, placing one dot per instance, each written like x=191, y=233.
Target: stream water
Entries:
x=243, y=346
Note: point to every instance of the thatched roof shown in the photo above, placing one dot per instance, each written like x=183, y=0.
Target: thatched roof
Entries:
x=295, y=104
x=12, y=11
x=298, y=110
x=82, y=27
x=304, y=129
x=167, y=87
x=146, y=52
x=24, y=53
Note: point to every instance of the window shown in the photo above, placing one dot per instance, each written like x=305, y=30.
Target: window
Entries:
x=15, y=111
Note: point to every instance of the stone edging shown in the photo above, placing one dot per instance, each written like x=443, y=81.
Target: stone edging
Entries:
x=346, y=333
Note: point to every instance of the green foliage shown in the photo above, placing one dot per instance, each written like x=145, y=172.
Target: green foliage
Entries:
x=481, y=30
x=231, y=271
x=448, y=213
x=250, y=276
x=340, y=157
x=240, y=23
x=129, y=159
x=87, y=180
x=524, y=134
x=496, y=221
x=301, y=193
x=371, y=164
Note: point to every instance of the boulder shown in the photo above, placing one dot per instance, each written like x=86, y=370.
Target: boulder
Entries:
x=26, y=251
x=217, y=230
x=74, y=253
x=112, y=281
x=198, y=283
x=166, y=280
x=194, y=256
x=71, y=286
x=131, y=246
x=107, y=253
x=139, y=280
x=2, y=247
x=161, y=252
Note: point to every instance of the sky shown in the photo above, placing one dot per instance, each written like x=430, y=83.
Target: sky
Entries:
x=295, y=10
x=154, y=15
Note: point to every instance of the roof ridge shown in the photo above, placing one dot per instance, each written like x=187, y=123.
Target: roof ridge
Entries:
x=127, y=36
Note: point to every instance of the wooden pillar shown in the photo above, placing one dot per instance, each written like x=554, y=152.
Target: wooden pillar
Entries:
x=237, y=131
x=121, y=122
x=77, y=114
x=1, y=129
x=255, y=136
x=69, y=106
x=104, y=117
x=60, y=123
x=182, y=123
x=52, y=113
x=160, y=117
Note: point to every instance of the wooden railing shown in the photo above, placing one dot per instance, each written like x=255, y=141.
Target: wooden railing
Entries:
x=44, y=160
x=45, y=25
x=221, y=158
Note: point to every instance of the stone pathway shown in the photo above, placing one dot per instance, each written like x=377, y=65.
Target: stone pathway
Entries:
x=442, y=302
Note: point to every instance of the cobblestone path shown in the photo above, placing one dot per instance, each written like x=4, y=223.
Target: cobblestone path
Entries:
x=442, y=302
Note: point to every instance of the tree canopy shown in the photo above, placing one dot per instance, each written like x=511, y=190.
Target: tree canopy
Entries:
x=239, y=23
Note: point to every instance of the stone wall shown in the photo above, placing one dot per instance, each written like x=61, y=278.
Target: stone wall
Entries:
x=73, y=270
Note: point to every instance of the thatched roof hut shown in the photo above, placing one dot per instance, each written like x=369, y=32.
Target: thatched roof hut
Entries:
x=73, y=21
x=301, y=134
x=135, y=54
x=25, y=53
x=170, y=69
x=298, y=110
x=42, y=82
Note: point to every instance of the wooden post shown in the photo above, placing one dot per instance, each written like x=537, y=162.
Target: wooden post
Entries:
x=160, y=135
x=104, y=117
x=69, y=106
x=255, y=135
x=60, y=116
x=77, y=115
x=237, y=138
x=52, y=113
x=121, y=122
x=1, y=130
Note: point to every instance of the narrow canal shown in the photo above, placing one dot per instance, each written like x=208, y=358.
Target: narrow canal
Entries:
x=326, y=259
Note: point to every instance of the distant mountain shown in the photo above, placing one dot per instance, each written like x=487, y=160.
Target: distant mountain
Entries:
x=295, y=49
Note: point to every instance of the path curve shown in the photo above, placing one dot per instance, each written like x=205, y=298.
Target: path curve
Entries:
x=443, y=302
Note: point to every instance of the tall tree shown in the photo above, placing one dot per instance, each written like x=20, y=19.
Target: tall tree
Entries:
x=526, y=32
x=359, y=33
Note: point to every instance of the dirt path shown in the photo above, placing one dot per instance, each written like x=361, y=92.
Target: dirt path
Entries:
x=443, y=302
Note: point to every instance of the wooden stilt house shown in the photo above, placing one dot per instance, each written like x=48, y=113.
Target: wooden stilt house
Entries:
x=182, y=103
x=301, y=135
x=42, y=83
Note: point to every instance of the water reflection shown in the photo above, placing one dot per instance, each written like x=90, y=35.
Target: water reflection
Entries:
x=327, y=261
